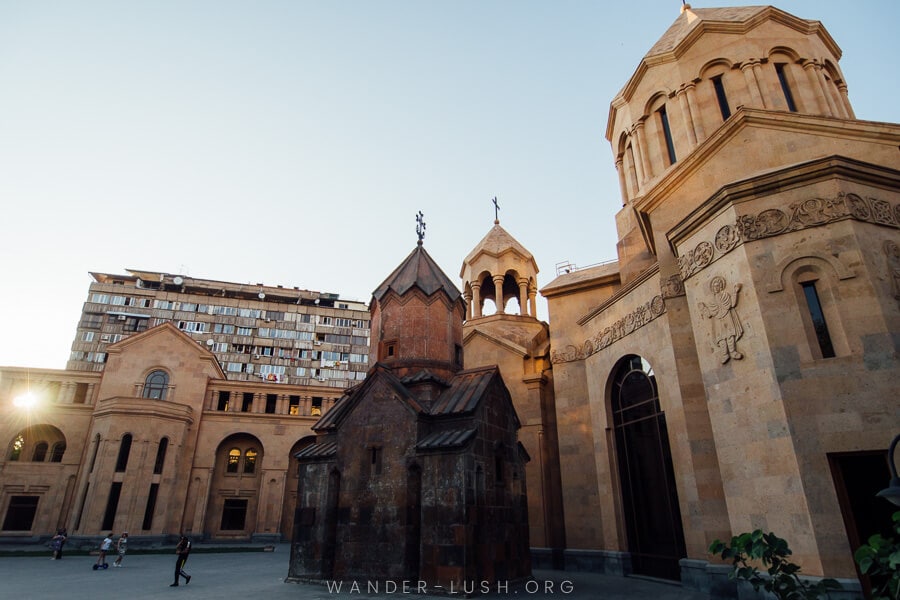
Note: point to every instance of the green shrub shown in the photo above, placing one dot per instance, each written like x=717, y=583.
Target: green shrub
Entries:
x=880, y=559
x=781, y=577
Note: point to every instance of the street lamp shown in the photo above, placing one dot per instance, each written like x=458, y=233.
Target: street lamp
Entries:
x=892, y=492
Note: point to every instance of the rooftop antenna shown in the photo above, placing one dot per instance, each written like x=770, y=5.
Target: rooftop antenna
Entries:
x=420, y=227
x=496, y=211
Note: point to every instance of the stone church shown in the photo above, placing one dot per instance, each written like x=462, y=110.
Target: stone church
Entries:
x=417, y=473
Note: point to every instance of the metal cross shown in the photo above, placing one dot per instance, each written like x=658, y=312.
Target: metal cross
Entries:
x=420, y=226
x=496, y=210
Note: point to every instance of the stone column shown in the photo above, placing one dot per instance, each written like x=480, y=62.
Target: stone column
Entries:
x=623, y=187
x=845, y=100
x=681, y=94
x=750, y=69
x=468, y=297
x=532, y=300
x=523, y=296
x=498, y=293
x=827, y=90
x=259, y=403
x=815, y=87
x=476, y=299
x=643, y=155
x=690, y=92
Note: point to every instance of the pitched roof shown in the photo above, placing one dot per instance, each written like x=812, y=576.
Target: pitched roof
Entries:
x=496, y=241
x=418, y=270
x=324, y=450
x=444, y=440
x=465, y=392
x=691, y=18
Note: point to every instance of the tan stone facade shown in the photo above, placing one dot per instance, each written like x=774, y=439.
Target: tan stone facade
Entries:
x=158, y=443
x=757, y=211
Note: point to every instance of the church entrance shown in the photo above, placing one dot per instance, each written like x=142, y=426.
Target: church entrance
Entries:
x=649, y=498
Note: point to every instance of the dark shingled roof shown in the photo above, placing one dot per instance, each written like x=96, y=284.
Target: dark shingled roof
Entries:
x=325, y=450
x=418, y=270
x=443, y=440
x=465, y=391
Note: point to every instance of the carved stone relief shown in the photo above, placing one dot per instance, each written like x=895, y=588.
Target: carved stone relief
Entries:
x=672, y=287
x=628, y=324
x=811, y=212
x=892, y=251
x=726, y=324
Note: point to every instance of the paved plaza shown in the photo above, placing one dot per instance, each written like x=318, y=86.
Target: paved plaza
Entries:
x=222, y=576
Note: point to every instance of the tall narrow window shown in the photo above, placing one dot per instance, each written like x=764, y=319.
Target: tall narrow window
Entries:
x=667, y=134
x=234, y=458
x=59, y=449
x=375, y=461
x=40, y=452
x=160, y=458
x=124, y=451
x=721, y=97
x=271, y=403
x=96, y=447
x=156, y=385
x=224, y=397
x=818, y=319
x=112, y=505
x=247, y=403
x=782, y=79
x=151, y=506
x=250, y=461
x=294, y=405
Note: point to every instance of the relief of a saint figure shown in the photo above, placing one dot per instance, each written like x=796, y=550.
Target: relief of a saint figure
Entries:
x=726, y=325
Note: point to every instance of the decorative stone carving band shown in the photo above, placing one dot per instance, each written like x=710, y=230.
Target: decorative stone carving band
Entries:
x=774, y=221
x=628, y=324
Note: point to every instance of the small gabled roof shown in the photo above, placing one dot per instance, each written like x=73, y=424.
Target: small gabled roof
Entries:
x=466, y=390
x=418, y=270
x=496, y=242
x=446, y=440
x=318, y=451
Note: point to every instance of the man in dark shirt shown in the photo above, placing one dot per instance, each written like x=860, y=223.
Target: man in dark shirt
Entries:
x=182, y=550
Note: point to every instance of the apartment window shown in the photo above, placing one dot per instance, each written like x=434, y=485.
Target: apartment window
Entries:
x=117, y=300
x=223, y=328
x=245, y=331
x=234, y=514
x=234, y=367
x=122, y=460
x=151, y=506
x=326, y=321
x=160, y=458
x=304, y=318
x=343, y=322
x=818, y=319
x=40, y=452
x=192, y=326
x=92, y=321
x=220, y=347
x=250, y=313
x=87, y=336
x=156, y=385
x=250, y=461
x=135, y=324
x=112, y=505
x=20, y=513
x=164, y=304
x=785, y=87
x=100, y=298
x=667, y=134
x=721, y=97
x=224, y=397
x=234, y=458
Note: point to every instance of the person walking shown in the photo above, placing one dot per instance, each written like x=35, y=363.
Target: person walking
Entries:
x=183, y=549
x=57, y=543
x=121, y=547
x=105, y=545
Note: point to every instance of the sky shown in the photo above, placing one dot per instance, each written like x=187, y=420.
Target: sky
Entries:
x=293, y=142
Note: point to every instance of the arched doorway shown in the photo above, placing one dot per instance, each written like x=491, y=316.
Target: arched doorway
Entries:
x=234, y=493
x=649, y=497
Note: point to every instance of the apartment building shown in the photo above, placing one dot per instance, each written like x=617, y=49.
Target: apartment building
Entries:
x=257, y=332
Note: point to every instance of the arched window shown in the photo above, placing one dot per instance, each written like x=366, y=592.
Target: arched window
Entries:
x=234, y=457
x=56, y=455
x=17, y=446
x=250, y=461
x=156, y=385
x=160, y=456
x=124, y=451
x=40, y=452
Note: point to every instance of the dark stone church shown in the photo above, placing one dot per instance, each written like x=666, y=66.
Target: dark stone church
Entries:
x=416, y=474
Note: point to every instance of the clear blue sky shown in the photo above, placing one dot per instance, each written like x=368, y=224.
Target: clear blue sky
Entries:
x=292, y=142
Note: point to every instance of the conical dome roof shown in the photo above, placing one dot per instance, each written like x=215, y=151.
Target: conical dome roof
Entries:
x=496, y=242
x=419, y=270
